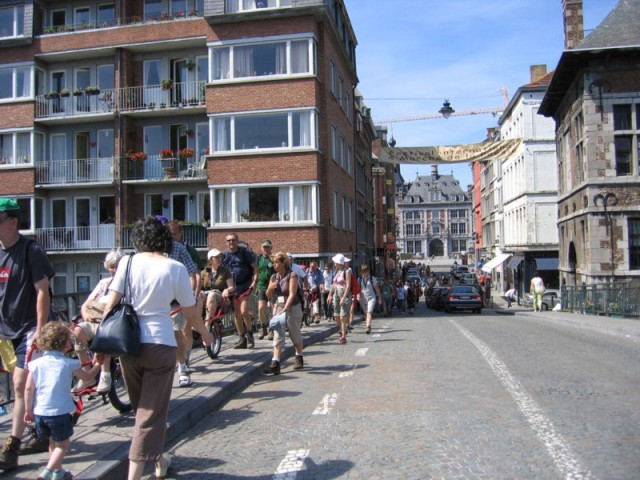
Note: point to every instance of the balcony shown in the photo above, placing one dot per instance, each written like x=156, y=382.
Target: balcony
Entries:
x=157, y=168
x=193, y=234
x=147, y=99
x=62, y=239
x=76, y=171
x=235, y=6
x=119, y=22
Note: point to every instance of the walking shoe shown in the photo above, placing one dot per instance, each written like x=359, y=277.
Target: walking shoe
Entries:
x=349, y=327
x=61, y=474
x=45, y=474
x=9, y=454
x=184, y=380
x=32, y=443
x=161, y=472
x=368, y=330
x=263, y=332
x=342, y=340
x=241, y=343
x=250, y=341
x=299, y=363
x=83, y=385
x=104, y=385
x=274, y=368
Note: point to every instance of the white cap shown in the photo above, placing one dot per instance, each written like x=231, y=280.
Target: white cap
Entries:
x=214, y=252
x=339, y=259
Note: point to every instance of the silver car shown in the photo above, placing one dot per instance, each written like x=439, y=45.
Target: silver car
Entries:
x=550, y=298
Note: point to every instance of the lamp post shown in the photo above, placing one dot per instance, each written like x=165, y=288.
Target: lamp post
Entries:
x=446, y=109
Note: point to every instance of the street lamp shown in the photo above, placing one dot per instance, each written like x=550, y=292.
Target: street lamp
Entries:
x=446, y=109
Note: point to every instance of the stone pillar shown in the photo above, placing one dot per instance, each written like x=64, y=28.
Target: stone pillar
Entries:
x=573, y=16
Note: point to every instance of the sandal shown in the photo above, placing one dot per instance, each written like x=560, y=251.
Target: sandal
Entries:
x=161, y=472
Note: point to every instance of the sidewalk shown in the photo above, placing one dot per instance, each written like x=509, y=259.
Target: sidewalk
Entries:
x=101, y=439
x=622, y=327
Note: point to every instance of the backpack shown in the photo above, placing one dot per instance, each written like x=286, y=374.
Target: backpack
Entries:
x=355, y=285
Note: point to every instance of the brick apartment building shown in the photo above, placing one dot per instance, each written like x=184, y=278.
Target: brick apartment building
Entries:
x=228, y=115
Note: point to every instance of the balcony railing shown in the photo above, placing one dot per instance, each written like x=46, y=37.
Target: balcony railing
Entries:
x=157, y=168
x=118, y=22
x=81, y=170
x=194, y=235
x=98, y=237
x=250, y=5
x=148, y=97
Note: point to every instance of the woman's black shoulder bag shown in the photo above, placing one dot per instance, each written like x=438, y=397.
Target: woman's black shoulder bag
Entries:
x=119, y=331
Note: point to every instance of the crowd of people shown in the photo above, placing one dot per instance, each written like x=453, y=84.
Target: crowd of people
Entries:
x=174, y=293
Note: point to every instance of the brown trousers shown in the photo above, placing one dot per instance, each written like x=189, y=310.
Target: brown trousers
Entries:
x=149, y=379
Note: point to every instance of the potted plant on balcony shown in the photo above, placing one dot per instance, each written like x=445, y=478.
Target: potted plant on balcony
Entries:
x=186, y=153
x=190, y=64
x=65, y=92
x=136, y=163
x=167, y=153
x=136, y=156
x=170, y=171
x=167, y=84
x=77, y=92
x=51, y=95
x=92, y=90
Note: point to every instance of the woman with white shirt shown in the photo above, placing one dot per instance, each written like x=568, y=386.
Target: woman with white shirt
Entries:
x=369, y=294
x=340, y=295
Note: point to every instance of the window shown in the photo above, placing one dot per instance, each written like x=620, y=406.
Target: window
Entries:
x=435, y=228
x=286, y=57
x=234, y=6
x=265, y=131
x=152, y=9
x=634, y=244
x=15, y=82
x=106, y=15
x=435, y=196
x=12, y=21
x=578, y=123
x=268, y=203
x=626, y=124
x=153, y=204
x=15, y=148
x=454, y=229
x=59, y=20
x=336, y=210
x=82, y=17
x=333, y=80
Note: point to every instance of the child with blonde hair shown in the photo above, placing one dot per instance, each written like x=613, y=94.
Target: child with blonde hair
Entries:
x=48, y=401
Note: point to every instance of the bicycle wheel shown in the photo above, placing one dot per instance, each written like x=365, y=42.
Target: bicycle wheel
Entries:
x=217, y=331
x=118, y=394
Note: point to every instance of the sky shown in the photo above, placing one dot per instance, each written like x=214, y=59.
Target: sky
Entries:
x=414, y=54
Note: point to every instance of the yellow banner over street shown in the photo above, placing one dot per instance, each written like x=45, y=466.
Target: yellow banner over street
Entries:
x=473, y=152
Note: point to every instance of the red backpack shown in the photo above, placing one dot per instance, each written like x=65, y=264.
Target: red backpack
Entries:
x=355, y=285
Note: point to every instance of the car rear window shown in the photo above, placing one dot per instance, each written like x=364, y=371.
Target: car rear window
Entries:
x=463, y=290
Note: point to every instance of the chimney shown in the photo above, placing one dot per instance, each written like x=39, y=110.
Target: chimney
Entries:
x=434, y=172
x=573, y=16
x=537, y=72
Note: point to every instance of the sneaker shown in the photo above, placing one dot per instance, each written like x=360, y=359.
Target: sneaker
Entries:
x=104, y=385
x=9, y=454
x=83, y=385
x=161, y=472
x=184, y=380
x=45, y=474
x=274, y=368
x=32, y=443
x=251, y=343
x=368, y=330
x=299, y=363
x=241, y=343
x=342, y=340
x=61, y=475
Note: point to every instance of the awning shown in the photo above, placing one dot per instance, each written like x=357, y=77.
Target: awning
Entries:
x=515, y=261
x=547, y=263
x=495, y=262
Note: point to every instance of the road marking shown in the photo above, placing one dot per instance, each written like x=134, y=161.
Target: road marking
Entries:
x=361, y=352
x=326, y=404
x=541, y=425
x=349, y=370
x=345, y=374
x=376, y=335
x=291, y=465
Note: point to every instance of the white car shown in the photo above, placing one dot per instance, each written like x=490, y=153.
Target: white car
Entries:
x=550, y=298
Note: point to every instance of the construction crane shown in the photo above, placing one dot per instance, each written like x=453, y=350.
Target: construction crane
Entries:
x=450, y=112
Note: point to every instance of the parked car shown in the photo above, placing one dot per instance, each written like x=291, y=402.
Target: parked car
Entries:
x=460, y=270
x=468, y=279
x=550, y=298
x=435, y=298
x=463, y=297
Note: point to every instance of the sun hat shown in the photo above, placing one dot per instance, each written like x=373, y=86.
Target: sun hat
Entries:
x=267, y=243
x=214, y=252
x=339, y=259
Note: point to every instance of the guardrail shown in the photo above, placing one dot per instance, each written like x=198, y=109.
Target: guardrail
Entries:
x=613, y=300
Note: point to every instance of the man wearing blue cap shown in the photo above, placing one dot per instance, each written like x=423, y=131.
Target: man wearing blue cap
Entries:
x=24, y=309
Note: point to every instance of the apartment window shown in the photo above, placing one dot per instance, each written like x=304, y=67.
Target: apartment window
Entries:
x=349, y=160
x=153, y=204
x=435, y=228
x=578, y=123
x=82, y=17
x=15, y=148
x=234, y=6
x=59, y=19
x=435, y=196
x=15, y=83
x=336, y=210
x=286, y=57
x=634, y=243
x=333, y=78
x=626, y=124
x=12, y=21
x=268, y=203
x=264, y=131
x=106, y=14
x=454, y=228
x=152, y=9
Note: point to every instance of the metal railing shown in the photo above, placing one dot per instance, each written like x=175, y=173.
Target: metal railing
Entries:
x=193, y=234
x=101, y=101
x=119, y=22
x=156, y=167
x=615, y=300
x=80, y=170
x=98, y=237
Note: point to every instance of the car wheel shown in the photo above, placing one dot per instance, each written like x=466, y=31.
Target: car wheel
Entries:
x=545, y=306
